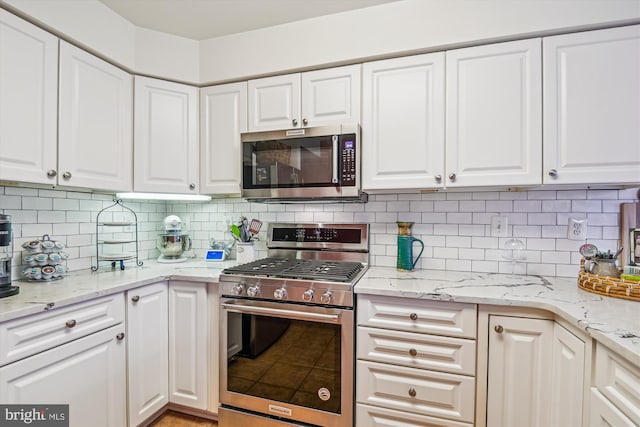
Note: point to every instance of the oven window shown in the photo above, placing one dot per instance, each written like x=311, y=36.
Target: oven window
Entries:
x=290, y=361
x=289, y=163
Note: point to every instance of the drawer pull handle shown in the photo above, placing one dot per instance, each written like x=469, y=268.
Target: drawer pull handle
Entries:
x=135, y=298
x=70, y=323
x=499, y=329
x=412, y=392
x=413, y=316
x=120, y=336
x=413, y=352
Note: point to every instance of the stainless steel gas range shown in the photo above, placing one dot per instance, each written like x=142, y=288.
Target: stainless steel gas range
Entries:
x=287, y=328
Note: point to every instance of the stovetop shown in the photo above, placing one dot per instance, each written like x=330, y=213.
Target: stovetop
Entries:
x=336, y=271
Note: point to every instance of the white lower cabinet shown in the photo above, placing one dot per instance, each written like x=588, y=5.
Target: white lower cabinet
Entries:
x=88, y=374
x=617, y=392
x=408, y=371
x=188, y=344
x=535, y=373
x=148, y=353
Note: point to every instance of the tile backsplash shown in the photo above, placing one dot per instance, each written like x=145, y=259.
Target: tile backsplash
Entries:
x=454, y=226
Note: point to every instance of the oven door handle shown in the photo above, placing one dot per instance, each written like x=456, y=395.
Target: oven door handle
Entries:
x=289, y=314
x=335, y=160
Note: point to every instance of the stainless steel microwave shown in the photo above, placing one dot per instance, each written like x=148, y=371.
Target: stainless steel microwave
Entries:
x=317, y=163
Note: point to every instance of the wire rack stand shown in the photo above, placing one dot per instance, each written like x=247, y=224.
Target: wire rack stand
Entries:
x=116, y=258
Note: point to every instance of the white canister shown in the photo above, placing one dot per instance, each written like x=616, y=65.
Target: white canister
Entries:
x=245, y=252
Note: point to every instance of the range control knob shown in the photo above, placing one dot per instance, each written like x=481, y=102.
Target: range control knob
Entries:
x=326, y=297
x=238, y=289
x=307, y=296
x=280, y=293
x=253, y=291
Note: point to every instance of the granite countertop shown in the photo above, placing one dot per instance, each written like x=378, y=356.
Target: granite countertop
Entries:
x=612, y=321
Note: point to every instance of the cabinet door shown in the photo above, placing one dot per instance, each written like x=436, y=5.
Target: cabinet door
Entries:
x=87, y=374
x=592, y=107
x=567, y=379
x=188, y=344
x=519, y=376
x=494, y=115
x=403, y=122
x=274, y=103
x=605, y=414
x=331, y=96
x=223, y=116
x=95, y=145
x=148, y=354
x=28, y=102
x=166, y=137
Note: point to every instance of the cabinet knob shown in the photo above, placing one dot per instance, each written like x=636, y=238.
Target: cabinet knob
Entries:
x=52, y=173
x=305, y=122
x=192, y=186
x=70, y=323
x=413, y=316
x=413, y=352
x=452, y=177
x=120, y=336
x=412, y=392
x=499, y=329
x=438, y=178
x=553, y=172
x=66, y=175
x=135, y=298
x=294, y=122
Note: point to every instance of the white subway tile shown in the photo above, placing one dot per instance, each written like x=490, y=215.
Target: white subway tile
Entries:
x=523, y=231
x=459, y=196
x=323, y=217
x=419, y=228
x=364, y=217
x=354, y=207
x=51, y=216
x=541, y=269
x=343, y=217
x=486, y=195
x=472, y=206
x=433, y=263
x=513, y=195
x=459, y=218
x=542, y=195
x=602, y=194
x=556, y=206
x=36, y=230
x=631, y=194
x=541, y=244
x=541, y=219
x=446, y=253
x=555, y=257
x=19, y=191
x=554, y=231
x=586, y=206
x=410, y=216
x=410, y=197
x=485, y=266
x=572, y=195
x=484, y=242
x=567, y=270
x=602, y=219
x=445, y=229
x=458, y=241
x=518, y=269
x=472, y=254
x=527, y=206
x=384, y=197
x=386, y=216
x=446, y=206
x=499, y=206
x=434, y=196
x=434, y=218
x=22, y=217
x=399, y=206
x=471, y=230
x=421, y=206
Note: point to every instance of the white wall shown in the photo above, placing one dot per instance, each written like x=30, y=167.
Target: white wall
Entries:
x=407, y=26
x=402, y=27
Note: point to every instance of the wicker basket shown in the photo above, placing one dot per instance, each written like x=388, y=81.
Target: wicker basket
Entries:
x=609, y=286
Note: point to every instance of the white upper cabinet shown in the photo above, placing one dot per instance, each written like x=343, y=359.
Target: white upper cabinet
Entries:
x=494, y=115
x=28, y=102
x=95, y=148
x=308, y=99
x=592, y=107
x=166, y=137
x=331, y=95
x=403, y=122
x=223, y=116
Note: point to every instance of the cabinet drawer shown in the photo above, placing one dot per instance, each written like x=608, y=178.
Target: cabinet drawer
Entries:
x=380, y=417
x=619, y=381
x=415, y=390
x=604, y=413
x=455, y=355
x=23, y=337
x=414, y=315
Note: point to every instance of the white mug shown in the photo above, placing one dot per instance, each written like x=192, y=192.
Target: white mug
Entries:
x=245, y=252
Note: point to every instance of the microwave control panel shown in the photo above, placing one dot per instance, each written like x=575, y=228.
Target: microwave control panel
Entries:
x=348, y=160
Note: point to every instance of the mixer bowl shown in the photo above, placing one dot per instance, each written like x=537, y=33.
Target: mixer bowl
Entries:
x=173, y=245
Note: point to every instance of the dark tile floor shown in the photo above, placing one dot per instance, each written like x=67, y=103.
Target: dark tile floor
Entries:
x=302, y=361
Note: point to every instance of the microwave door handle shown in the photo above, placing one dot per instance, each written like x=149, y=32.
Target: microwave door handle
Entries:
x=335, y=159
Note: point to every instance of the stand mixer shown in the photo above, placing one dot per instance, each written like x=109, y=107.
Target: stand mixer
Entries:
x=174, y=242
x=6, y=255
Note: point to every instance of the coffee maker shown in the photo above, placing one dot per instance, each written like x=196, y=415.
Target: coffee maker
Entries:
x=6, y=255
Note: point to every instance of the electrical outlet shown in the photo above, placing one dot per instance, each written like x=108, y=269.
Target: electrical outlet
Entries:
x=577, y=229
x=499, y=226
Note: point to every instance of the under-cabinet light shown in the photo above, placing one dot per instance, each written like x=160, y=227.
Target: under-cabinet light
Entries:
x=164, y=196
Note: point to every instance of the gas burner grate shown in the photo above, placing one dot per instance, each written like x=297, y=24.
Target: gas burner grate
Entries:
x=263, y=267
x=338, y=271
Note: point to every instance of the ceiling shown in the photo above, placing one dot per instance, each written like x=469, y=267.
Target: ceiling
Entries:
x=204, y=19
